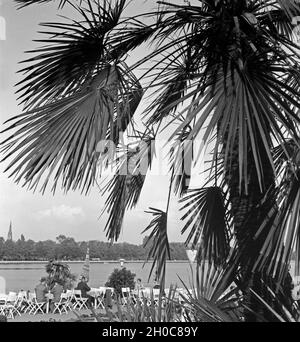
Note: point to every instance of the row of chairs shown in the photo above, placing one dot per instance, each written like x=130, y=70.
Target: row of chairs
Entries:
x=71, y=299
x=99, y=294
x=15, y=304
x=145, y=295
x=10, y=304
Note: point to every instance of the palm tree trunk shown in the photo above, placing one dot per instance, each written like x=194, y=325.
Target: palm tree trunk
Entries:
x=247, y=218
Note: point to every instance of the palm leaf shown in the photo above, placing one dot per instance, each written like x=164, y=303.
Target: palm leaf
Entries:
x=215, y=289
x=173, y=85
x=74, y=53
x=205, y=226
x=126, y=185
x=158, y=238
x=290, y=7
x=181, y=157
x=201, y=309
x=255, y=110
x=275, y=305
x=279, y=231
x=63, y=136
x=226, y=68
x=284, y=234
x=277, y=236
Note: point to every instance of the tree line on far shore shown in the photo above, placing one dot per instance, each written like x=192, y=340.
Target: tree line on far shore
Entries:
x=66, y=248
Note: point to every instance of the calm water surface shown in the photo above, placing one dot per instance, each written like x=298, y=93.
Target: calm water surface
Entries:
x=26, y=275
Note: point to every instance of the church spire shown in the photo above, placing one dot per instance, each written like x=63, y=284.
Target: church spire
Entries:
x=9, y=235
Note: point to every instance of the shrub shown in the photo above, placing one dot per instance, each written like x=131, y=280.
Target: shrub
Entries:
x=59, y=272
x=121, y=278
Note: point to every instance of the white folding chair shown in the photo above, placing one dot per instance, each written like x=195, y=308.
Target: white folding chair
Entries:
x=63, y=305
x=3, y=298
x=145, y=295
x=71, y=298
x=31, y=299
x=80, y=302
x=29, y=303
x=99, y=299
x=138, y=296
x=156, y=293
x=35, y=305
x=70, y=295
x=21, y=300
x=9, y=309
x=125, y=295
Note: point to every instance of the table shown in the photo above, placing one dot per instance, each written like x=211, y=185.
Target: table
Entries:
x=144, y=292
x=98, y=295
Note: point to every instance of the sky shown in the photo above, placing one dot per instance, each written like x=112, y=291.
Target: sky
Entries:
x=41, y=217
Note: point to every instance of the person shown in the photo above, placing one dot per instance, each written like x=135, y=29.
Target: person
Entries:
x=40, y=292
x=84, y=288
x=138, y=293
x=56, y=291
x=138, y=285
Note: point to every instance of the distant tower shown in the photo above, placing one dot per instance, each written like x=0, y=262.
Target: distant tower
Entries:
x=9, y=235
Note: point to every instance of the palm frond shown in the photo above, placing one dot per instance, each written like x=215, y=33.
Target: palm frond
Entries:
x=215, y=285
x=158, y=238
x=290, y=7
x=272, y=243
x=246, y=109
x=181, y=158
x=126, y=185
x=174, y=80
x=205, y=226
x=283, y=236
x=275, y=305
x=63, y=136
x=203, y=310
x=286, y=155
x=73, y=54
x=214, y=298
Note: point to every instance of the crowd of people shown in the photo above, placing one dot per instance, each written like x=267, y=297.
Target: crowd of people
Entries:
x=56, y=289
x=42, y=291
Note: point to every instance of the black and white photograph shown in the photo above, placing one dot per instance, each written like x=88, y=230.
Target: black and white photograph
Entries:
x=149, y=164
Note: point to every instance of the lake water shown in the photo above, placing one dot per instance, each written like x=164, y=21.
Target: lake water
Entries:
x=26, y=275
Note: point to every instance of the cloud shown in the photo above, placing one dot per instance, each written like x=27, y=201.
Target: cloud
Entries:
x=62, y=212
